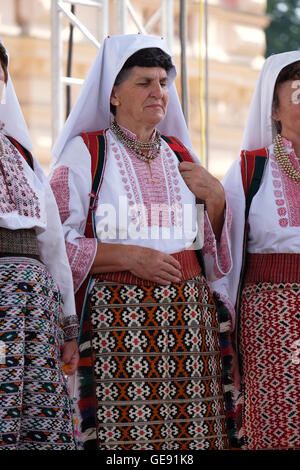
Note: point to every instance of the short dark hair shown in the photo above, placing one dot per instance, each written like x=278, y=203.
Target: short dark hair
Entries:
x=289, y=72
x=148, y=57
x=4, y=61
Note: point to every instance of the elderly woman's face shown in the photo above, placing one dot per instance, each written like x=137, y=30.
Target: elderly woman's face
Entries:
x=142, y=98
x=288, y=110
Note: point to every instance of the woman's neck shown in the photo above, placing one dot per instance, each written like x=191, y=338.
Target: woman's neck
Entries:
x=293, y=137
x=142, y=133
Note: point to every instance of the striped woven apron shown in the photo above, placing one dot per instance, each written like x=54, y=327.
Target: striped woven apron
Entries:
x=151, y=367
x=270, y=347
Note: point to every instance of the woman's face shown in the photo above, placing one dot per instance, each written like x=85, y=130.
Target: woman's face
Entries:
x=142, y=97
x=288, y=110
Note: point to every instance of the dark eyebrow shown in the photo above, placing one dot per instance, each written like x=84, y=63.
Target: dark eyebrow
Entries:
x=148, y=80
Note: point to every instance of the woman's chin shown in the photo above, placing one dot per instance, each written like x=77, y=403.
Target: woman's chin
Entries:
x=155, y=118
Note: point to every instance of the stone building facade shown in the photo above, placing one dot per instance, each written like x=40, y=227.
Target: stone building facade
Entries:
x=236, y=45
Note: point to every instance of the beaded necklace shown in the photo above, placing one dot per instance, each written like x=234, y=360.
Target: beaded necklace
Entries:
x=136, y=146
x=284, y=161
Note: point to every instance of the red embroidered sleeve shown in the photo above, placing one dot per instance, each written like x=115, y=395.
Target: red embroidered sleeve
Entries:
x=60, y=187
x=81, y=258
x=217, y=255
x=81, y=251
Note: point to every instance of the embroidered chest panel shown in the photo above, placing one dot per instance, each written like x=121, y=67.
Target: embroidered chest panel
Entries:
x=286, y=192
x=157, y=190
x=15, y=191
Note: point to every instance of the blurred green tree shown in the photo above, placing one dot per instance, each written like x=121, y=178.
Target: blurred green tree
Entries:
x=283, y=32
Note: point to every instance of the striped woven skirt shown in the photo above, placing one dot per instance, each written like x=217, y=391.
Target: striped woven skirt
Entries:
x=35, y=409
x=270, y=352
x=151, y=368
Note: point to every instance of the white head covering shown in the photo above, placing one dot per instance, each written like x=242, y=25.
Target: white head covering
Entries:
x=92, y=109
x=260, y=130
x=12, y=117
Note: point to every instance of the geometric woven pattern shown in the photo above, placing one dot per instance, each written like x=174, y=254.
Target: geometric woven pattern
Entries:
x=270, y=320
x=35, y=409
x=157, y=368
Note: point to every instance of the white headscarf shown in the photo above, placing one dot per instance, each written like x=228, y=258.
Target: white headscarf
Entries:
x=12, y=117
x=260, y=130
x=92, y=109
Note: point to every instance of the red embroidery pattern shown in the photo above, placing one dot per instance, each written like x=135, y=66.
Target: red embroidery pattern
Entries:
x=16, y=193
x=209, y=247
x=220, y=252
x=224, y=256
x=269, y=329
x=81, y=258
x=286, y=191
x=60, y=187
x=128, y=181
x=153, y=189
x=155, y=361
x=151, y=192
x=172, y=179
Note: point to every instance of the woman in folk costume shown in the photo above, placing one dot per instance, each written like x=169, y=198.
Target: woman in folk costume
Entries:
x=151, y=374
x=38, y=323
x=265, y=287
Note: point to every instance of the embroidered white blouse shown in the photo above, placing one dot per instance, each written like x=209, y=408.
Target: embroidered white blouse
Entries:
x=135, y=207
x=27, y=201
x=274, y=218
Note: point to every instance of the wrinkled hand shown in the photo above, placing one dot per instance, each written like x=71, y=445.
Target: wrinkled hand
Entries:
x=204, y=185
x=70, y=356
x=155, y=266
x=207, y=189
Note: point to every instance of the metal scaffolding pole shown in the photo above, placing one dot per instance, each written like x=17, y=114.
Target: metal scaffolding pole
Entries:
x=124, y=10
x=206, y=86
x=183, y=62
x=104, y=20
x=56, y=70
x=58, y=10
x=121, y=7
x=203, y=80
x=168, y=22
x=103, y=6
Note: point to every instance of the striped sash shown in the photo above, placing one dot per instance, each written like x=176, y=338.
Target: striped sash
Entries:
x=23, y=151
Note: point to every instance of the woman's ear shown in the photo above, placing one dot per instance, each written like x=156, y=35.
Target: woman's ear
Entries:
x=275, y=114
x=113, y=98
x=276, y=119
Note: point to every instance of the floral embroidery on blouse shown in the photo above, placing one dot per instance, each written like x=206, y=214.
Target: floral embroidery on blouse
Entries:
x=151, y=192
x=286, y=191
x=15, y=191
x=60, y=187
x=81, y=257
x=218, y=252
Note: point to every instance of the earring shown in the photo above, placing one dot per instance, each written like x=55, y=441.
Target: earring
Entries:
x=117, y=103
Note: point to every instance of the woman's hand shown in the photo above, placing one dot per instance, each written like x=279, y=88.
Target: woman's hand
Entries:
x=207, y=189
x=154, y=265
x=70, y=356
x=146, y=263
